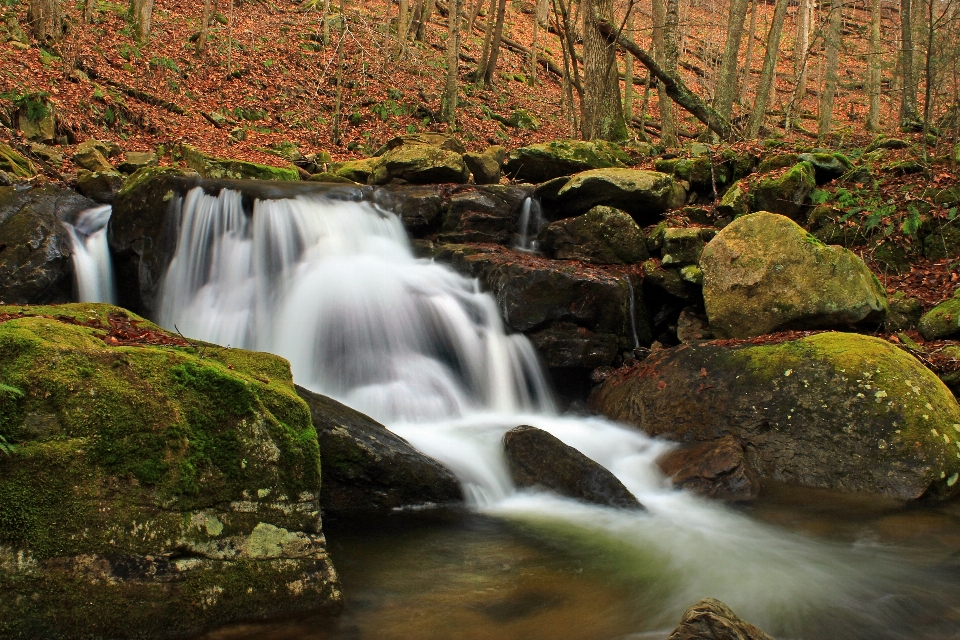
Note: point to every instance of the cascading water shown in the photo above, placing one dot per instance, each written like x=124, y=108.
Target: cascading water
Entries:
x=333, y=286
x=531, y=219
x=91, y=255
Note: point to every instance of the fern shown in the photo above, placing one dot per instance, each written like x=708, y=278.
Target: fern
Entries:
x=6, y=448
x=5, y=388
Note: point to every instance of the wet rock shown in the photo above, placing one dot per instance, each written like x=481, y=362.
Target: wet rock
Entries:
x=710, y=619
x=645, y=195
x=764, y=273
x=832, y=410
x=134, y=160
x=220, y=168
x=785, y=194
x=486, y=166
x=943, y=321
x=538, y=459
x=330, y=178
x=541, y=162
x=366, y=467
x=420, y=164
x=692, y=325
x=187, y=484
x=565, y=345
x=101, y=186
x=489, y=213
x=668, y=280
x=603, y=235
x=421, y=208
x=35, y=256
x=716, y=469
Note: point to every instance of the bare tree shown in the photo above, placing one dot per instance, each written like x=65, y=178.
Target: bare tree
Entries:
x=425, y=14
x=89, y=6
x=908, y=98
x=801, y=50
x=491, y=67
x=46, y=20
x=141, y=12
x=830, y=88
x=727, y=76
x=748, y=60
x=874, y=66
x=668, y=127
x=205, y=17
x=628, y=68
x=448, y=102
x=759, y=112
x=601, y=106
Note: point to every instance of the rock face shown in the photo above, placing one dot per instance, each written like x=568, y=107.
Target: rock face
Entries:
x=784, y=194
x=11, y=161
x=220, y=168
x=147, y=472
x=645, y=195
x=420, y=164
x=577, y=315
x=943, y=321
x=542, y=162
x=486, y=166
x=100, y=186
x=710, y=619
x=763, y=273
x=832, y=410
x=603, y=235
x=715, y=469
x=35, y=256
x=483, y=214
x=538, y=459
x=366, y=467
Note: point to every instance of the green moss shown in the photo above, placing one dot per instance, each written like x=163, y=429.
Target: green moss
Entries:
x=144, y=175
x=217, y=168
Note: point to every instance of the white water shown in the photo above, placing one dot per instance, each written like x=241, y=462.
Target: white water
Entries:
x=334, y=287
x=91, y=255
x=531, y=219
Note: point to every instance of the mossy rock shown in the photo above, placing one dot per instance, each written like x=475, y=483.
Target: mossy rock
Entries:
x=734, y=202
x=904, y=313
x=701, y=172
x=420, y=164
x=827, y=166
x=764, y=273
x=785, y=194
x=14, y=162
x=100, y=186
x=429, y=139
x=777, y=161
x=645, y=195
x=331, y=178
x=603, y=235
x=355, y=170
x=545, y=161
x=220, y=168
x=833, y=410
x=943, y=321
x=942, y=241
x=682, y=246
x=182, y=478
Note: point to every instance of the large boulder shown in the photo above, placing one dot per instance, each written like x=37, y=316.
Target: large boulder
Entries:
x=35, y=255
x=943, y=321
x=101, y=186
x=716, y=469
x=489, y=213
x=354, y=170
x=486, y=166
x=710, y=619
x=763, y=273
x=548, y=160
x=427, y=139
x=366, y=467
x=538, y=459
x=831, y=410
x=14, y=163
x=785, y=193
x=645, y=195
x=420, y=164
x=220, y=168
x=603, y=235
x=182, y=477
x=566, y=308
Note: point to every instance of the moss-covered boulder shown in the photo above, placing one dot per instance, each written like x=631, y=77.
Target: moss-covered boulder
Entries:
x=182, y=477
x=904, y=312
x=354, y=170
x=764, y=273
x=683, y=246
x=786, y=193
x=545, y=161
x=35, y=258
x=645, y=195
x=943, y=321
x=827, y=166
x=218, y=168
x=100, y=186
x=420, y=164
x=136, y=160
x=603, y=235
x=776, y=161
x=427, y=139
x=832, y=410
x=13, y=162
x=734, y=201
x=366, y=467
x=486, y=166
x=701, y=172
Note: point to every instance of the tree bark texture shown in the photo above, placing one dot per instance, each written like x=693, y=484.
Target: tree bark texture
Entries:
x=908, y=99
x=46, y=20
x=141, y=11
x=874, y=68
x=448, y=103
x=800, y=56
x=748, y=59
x=495, y=44
x=758, y=114
x=601, y=107
x=659, y=53
x=727, y=76
x=830, y=87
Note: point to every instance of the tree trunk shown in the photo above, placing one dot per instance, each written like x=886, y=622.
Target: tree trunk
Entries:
x=727, y=81
x=830, y=88
x=448, y=103
x=230, y=40
x=928, y=73
x=533, y=52
x=141, y=11
x=487, y=40
x=428, y=8
x=769, y=67
x=205, y=16
x=403, y=18
x=495, y=45
x=908, y=99
x=800, y=57
x=46, y=20
x=748, y=59
x=668, y=137
x=542, y=13
x=601, y=107
x=874, y=69
x=88, y=8
x=628, y=70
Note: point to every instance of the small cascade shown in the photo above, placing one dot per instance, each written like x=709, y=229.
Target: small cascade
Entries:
x=633, y=313
x=531, y=220
x=334, y=287
x=91, y=255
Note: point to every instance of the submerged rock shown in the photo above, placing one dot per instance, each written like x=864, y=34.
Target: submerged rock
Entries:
x=146, y=470
x=538, y=459
x=943, y=321
x=710, y=619
x=645, y=195
x=603, y=235
x=764, y=273
x=832, y=410
x=35, y=255
x=366, y=467
x=716, y=469
x=546, y=161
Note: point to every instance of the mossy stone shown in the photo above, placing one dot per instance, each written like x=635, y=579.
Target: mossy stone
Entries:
x=183, y=478
x=785, y=194
x=734, y=202
x=827, y=166
x=544, y=161
x=603, y=235
x=904, y=313
x=645, y=195
x=943, y=321
x=777, y=161
x=14, y=162
x=355, y=170
x=219, y=168
x=682, y=246
x=420, y=164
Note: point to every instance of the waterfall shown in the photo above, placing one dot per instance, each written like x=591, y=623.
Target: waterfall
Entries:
x=334, y=287
x=531, y=219
x=91, y=255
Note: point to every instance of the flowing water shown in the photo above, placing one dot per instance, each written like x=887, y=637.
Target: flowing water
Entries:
x=333, y=287
x=91, y=255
